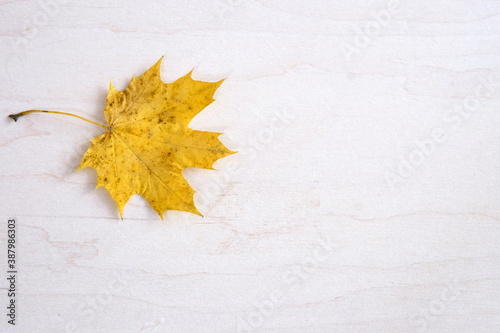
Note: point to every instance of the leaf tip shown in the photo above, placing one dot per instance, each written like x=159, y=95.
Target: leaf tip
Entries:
x=158, y=63
x=111, y=87
x=195, y=210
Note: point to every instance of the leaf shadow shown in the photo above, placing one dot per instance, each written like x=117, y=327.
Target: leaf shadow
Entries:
x=101, y=194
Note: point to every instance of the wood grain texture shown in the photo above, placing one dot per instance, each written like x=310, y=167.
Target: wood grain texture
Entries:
x=364, y=197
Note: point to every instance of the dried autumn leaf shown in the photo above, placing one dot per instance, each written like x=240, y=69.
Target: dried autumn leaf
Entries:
x=148, y=143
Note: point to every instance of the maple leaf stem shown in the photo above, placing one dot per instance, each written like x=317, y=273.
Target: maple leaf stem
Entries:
x=20, y=114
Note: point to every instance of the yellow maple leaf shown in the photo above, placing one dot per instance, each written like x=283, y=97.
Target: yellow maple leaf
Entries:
x=148, y=143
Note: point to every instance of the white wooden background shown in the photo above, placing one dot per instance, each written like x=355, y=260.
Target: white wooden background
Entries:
x=364, y=197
